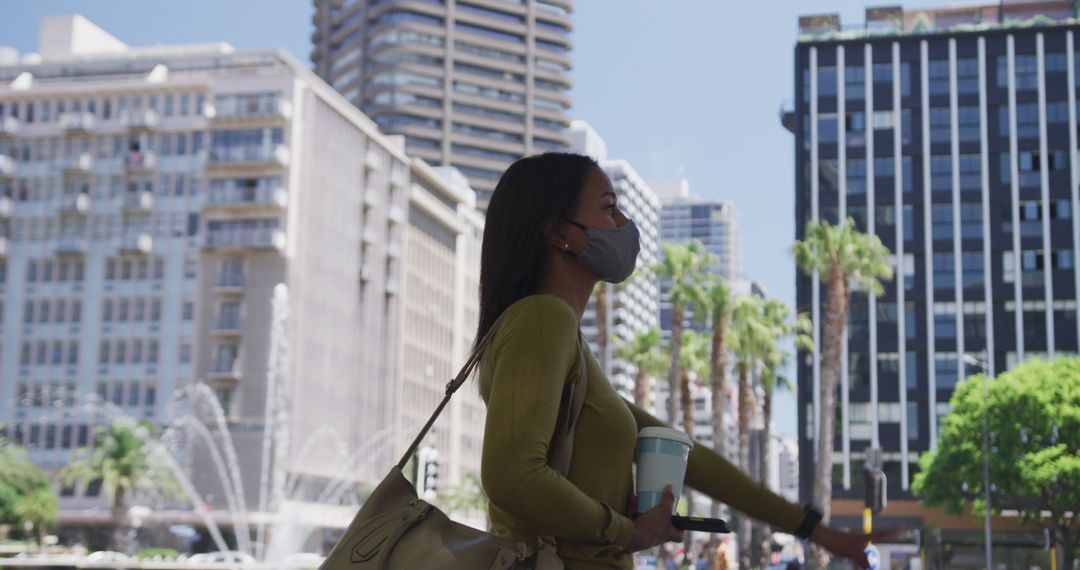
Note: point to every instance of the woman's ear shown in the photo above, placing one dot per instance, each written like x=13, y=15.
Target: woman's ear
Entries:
x=554, y=236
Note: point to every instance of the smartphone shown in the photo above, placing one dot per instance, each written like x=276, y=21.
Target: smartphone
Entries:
x=700, y=524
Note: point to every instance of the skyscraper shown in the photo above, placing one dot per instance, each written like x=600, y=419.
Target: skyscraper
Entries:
x=951, y=134
x=472, y=84
x=152, y=201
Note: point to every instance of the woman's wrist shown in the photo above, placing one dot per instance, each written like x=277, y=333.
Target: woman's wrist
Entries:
x=810, y=523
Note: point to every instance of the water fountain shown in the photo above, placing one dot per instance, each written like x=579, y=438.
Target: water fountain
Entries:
x=195, y=420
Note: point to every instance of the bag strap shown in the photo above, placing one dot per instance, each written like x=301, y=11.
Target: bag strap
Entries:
x=561, y=448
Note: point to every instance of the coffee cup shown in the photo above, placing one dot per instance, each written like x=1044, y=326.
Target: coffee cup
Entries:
x=662, y=455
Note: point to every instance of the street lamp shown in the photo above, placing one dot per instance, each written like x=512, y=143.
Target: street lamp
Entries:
x=982, y=365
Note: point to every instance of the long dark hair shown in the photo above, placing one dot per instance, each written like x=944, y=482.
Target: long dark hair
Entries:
x=531, y=193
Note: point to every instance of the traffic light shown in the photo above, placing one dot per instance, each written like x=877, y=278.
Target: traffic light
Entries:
x=876, y=498
x=875, y=481
x=427, y=473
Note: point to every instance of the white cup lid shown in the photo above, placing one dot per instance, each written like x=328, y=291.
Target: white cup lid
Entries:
x=666, y=433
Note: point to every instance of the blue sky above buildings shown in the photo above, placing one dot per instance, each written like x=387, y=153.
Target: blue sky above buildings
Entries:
x=677, y=87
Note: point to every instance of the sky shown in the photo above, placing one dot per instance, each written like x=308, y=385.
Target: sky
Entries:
x=688, y=88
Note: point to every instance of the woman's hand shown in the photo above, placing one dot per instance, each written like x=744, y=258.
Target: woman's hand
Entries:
x=654, y=527
x=849, y=545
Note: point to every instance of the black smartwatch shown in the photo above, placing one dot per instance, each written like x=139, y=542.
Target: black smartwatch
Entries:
x=809, y=522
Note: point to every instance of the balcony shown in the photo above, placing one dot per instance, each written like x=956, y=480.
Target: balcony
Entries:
x=245, y=239
x=7, y=166
x=9, y=127
x=140, y=202
x=232, y=110
x=76, y=123
x=369, y=236
x=399, y=178
x=136, y=244
x=228, y=325
x=142, y=120
x=6, y=206
x=228, y=197
x=371, y=199
x=75, y=205
x=71, y=246
x=396, y=214
x=230, y=282
x=225, y=369
x=79, y=164
x=372, y=160
x=140, y=161
x=276, y=156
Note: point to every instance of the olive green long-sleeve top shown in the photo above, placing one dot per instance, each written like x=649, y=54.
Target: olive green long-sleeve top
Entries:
x=522, y=376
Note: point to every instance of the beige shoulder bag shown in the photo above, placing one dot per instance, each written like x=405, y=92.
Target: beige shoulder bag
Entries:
x=397, y=530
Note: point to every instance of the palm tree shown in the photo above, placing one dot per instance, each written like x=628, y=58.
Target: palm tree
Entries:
x=846, y=259
x=752, y=339
x=26, y=491
x=125, y=463
x=720, y=305
x=603, y=306
x=683, y=265
x=694, y=363
x=645, y=353
x=38, y=509
x=772, y=378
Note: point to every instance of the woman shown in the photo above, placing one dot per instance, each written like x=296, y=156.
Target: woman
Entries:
x=553, y=231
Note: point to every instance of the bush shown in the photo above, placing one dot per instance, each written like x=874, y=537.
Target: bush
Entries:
x=166, y=553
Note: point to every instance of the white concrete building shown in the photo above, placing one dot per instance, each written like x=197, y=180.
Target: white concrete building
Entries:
x=441, y=309
x=634, y=307
x=783, y=476
x=151, y=199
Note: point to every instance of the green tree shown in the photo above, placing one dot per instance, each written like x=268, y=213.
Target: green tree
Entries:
x=124, y=461
x=683, y=266
x=720, y=307
x=775, y=359
x=846, y=260
x=38, y=509
x=694, y=365
x=465, y=497
x=26, y=492
x=1033, y=415
x=644, y=352
x=752, y=339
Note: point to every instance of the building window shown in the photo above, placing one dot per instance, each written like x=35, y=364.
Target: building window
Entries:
x=912, y=421
x=945, y=321
x=946, y=370
x=971, y=221
x=940, y=125
x=941, y=216
x=826, y=84
x=944, y=271
x=973, y=271
x=855, y=82
x=941, y=173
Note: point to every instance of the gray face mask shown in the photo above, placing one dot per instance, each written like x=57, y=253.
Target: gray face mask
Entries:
x=611, y=253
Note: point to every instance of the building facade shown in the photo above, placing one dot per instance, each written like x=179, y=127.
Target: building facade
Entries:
x=472, y=84
x=153, y=201
x=952, y=135
x=441, y=309
x=633, y=306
